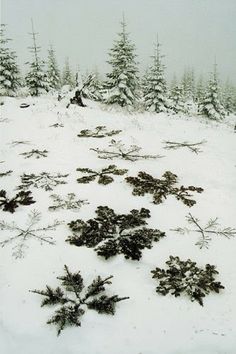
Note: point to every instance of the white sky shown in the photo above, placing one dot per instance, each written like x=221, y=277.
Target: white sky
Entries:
x=192, y=32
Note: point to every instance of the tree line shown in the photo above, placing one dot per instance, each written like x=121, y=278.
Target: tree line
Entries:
x=123, y=85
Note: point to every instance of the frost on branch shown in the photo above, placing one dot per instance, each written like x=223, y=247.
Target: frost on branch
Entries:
x=212, y=228
x=103, y=176
x=185, y=278
x=73, y=299
x=118, y=150
x=111, y=234
x=10, y=204
x=30, y=231
x=193, y=147
x=43, y=180
x=35, y=153
x=162, y=188
x=99, y=132
x=69, y=202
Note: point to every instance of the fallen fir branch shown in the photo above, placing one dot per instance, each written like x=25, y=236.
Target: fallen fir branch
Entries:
x=111, y=234
x=35, y=153
x=69, y=202
x=44, y=180
x=103, y=176
x=212, y=228
x=99, y=132
x=193, y=147
x=30, y=231
x=162, y=188
x=73, y=299
x=118, y=150
x=10, y=204
x=7, y=173
x=185, y=278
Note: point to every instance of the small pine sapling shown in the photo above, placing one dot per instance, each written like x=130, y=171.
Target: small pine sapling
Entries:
x=10, y=204
x=99, y=132
x=111, y=234
x=162, y=188
x=119, y=150
x=185, y=278
x=205, y=232
x=104, y=175
x=73, y=299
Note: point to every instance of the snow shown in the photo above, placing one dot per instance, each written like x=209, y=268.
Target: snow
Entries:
x=148, y=323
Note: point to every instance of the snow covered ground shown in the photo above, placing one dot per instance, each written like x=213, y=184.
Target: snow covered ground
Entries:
x=147, y=323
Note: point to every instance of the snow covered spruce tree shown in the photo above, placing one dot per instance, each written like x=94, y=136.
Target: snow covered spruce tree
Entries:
x=122, y=82
x=177, y=104
x=200, y=90
x=228, y=97
x=155, y=91
x=9, y=72
x=67, y=76
x=53, y=73
x=188, y=84
x=36, y=78
x=211, y=105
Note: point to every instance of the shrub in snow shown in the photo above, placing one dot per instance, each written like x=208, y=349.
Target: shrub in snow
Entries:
x=111, y=234
x=162, y=188
x=73, y=299
x=185, y=278
x=122, y=81
x=103, y=176
x=9, y=72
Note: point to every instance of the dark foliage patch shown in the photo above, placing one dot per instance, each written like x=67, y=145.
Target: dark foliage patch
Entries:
x=10, y=204
x=111, y=234
x=103, y=176
x=185, y=278
x=162, y=188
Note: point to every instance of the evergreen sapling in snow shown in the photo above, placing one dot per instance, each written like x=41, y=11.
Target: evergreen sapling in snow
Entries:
x=9, y=72
x=122, y=81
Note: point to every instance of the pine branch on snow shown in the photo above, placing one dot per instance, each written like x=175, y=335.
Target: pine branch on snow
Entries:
x=69, y=202
x=119, y=150
x=162, y=188
x=210, y=229
x=74, y=299
x=100, y=132
x=7, y=173
x=104, y=175
x=30, y=231
x=43, y=180
x=185, y=278
x=193, y=147
x=21, y=198
x=111, y=234
x=35, y=153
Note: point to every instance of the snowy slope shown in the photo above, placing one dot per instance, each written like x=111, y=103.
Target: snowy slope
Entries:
x=148, y=323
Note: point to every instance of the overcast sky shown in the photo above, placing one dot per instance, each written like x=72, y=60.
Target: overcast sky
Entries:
x=192, y=32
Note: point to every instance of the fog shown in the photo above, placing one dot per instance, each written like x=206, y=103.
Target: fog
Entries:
x=192, y=32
